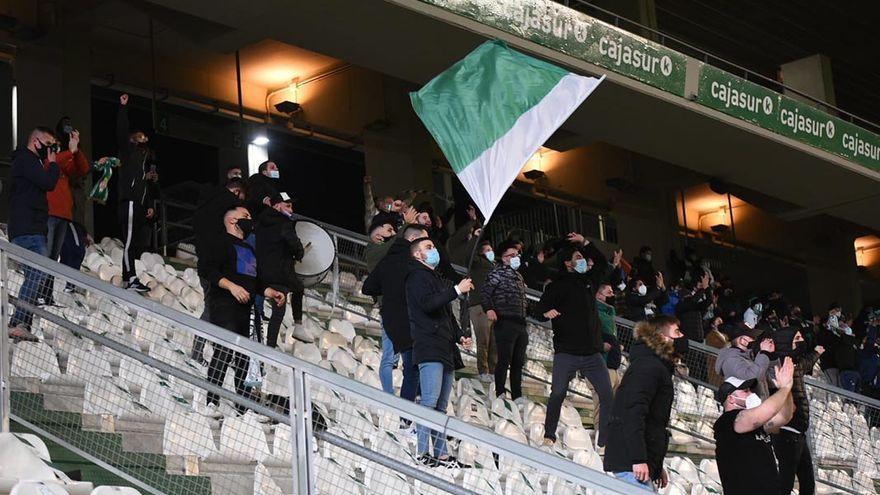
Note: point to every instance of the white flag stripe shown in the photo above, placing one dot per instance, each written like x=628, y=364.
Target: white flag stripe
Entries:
x=489, y=176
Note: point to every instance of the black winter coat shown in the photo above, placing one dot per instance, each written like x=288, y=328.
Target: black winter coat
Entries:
x=278, y=249
x=388, y=280
x=640, y=414
x=577, y=329
x=690, y=310
x=135, y=163
x=504, y=291
x=433, y=328
x=30, y=181
x=207, y=222
x=635, y=304
x=258, y=188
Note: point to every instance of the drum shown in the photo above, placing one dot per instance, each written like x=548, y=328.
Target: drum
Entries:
x=320, y=253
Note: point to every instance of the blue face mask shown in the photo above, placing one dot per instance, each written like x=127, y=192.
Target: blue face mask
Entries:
x=580, y=265
x=274, y=174
x=432, y=258
x=490, y=255
x=515, y=262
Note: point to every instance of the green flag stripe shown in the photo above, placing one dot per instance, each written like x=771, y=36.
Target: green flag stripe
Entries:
x=480, y=98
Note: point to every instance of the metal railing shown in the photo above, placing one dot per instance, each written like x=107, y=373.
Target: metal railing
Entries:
x=111, y=379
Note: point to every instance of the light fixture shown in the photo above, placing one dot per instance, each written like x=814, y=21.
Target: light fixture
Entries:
x=260, y=140
x=288, y=107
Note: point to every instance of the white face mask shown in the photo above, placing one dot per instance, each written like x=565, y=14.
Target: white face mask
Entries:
x=622, y=286
x=643, y=289
x=274, y=174
x=752, y=401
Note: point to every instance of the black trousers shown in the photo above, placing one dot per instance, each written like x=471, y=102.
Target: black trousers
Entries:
x=794, y=458
x=277, y=316
x=135, y=235
x=511, y=340
x=238, y=322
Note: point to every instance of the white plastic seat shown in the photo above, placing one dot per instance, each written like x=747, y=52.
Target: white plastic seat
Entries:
x=37, y=445
x=18, y=460
x=576, y=438
x=368, y=376
x=330, y=339
x=37, y=488
x=520, y=484
x=382, y=480
x=107, y=397
x=88, y=365
x=307, y=352
x=263, y=482
x=506, y=409
x=161, y=400
x=482, y=481
x=34, y=360
x=243, y=438
x=188, y=434
x=511, y=430
x=342, y=360
x=473, y=455
x=115, y=490
x=343, y=328
x=569, y=416
x=282, y=448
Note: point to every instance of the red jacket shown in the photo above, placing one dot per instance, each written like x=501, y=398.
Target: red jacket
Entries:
x=72, y=165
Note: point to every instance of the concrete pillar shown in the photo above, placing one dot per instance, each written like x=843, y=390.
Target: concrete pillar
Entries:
x=810, y=75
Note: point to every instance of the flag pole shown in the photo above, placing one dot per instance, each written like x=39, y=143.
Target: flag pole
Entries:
x=464, y=306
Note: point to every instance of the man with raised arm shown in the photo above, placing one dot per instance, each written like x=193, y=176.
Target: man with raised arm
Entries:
x=743, y=439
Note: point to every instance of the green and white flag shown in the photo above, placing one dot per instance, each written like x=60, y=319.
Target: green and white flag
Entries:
x=492, y=110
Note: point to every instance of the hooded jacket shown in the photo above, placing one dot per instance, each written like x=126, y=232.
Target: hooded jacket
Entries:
x=433, y=328
x=278, y=248
x=136, y=159
x=388, y=280
x=577, y=329
x=640, y=413
x=30, y=180
x=505, y=293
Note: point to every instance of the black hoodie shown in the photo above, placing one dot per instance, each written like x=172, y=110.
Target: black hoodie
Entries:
x=640, y=414
x=388, y=280
x=29, y=183
x=136, y=160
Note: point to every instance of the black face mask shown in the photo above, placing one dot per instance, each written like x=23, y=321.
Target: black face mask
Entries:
x=682, y=346
x=246, y=225
x=43, y=152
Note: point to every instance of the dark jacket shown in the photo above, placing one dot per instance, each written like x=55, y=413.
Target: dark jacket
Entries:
x=278, y=250
x=480, y=269
x=433, y=328
x=505, y=293
x=235, y=260
x=388, y=280
x=803, y=365
x=135, y=163
x=459, y=246
x=577, y=329
x=29, y=183
x=640, y=414
x=635, y=304
x=644, y=269
x=830, y=340
x=846, y=353
x=259, y=187
x=690, y=310
x=207, y=222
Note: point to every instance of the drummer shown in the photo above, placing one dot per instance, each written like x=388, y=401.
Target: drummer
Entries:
x=278, y=248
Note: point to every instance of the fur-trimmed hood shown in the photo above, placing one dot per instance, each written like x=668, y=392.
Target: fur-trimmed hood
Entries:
x=648, y=334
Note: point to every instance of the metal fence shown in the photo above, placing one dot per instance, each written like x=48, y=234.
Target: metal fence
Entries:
x=111, y=378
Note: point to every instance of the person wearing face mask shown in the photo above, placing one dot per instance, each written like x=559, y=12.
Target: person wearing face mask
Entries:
x=387, y=283
x=611, y=349
x=846, y=356
x=33, y=173
x=829, y=338
x=740, y=362
x=790, y=444
x=504, y=300
x=73, y=165
x=718, y=339
x=138, y=188
x=207, y=222
x=637, y=431
x=487, y=353
x=643, y=301
x=232, y=273
x=278, y=249
x=643, y=265
x=436, y=336
x=425, y=218
x=743, y=444
x=263, y=187
x=570, y=304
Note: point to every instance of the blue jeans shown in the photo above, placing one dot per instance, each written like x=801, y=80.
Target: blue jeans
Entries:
x=33, y=279
x=629, y=477
x=386, y=364
x=435, y=383
x=849, y=380
x=410, y=386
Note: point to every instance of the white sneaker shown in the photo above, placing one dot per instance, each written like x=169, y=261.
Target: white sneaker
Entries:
x=486, y=378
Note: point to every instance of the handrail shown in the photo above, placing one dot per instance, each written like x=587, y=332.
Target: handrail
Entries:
x=538, y=459
x=707, y=56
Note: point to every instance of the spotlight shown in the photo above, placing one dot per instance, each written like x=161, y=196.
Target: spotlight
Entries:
x=260, y=140
x=288, y=107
